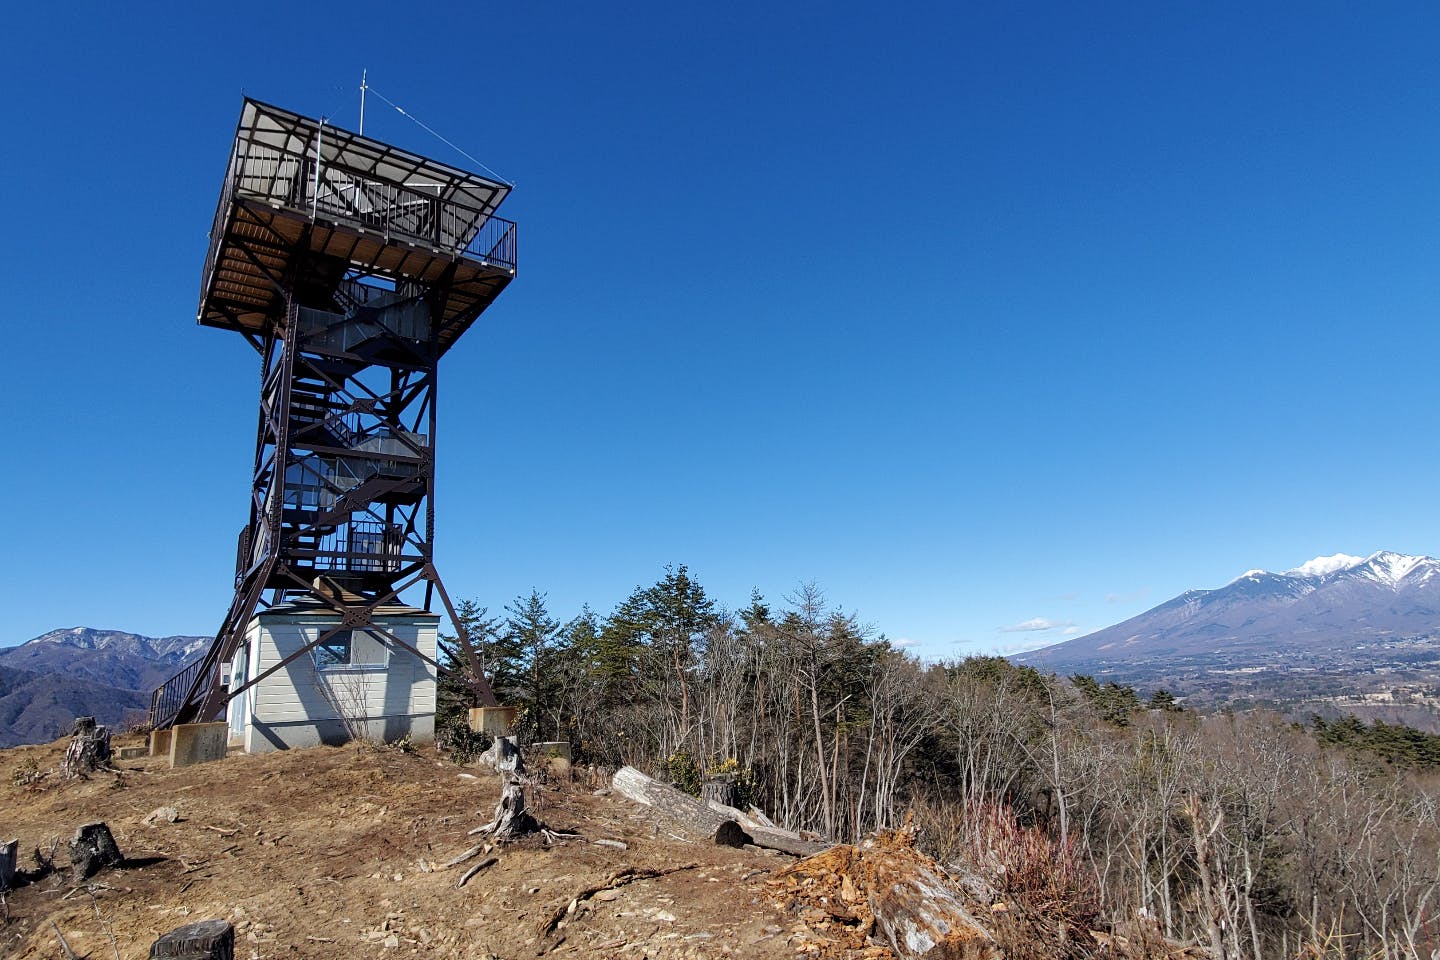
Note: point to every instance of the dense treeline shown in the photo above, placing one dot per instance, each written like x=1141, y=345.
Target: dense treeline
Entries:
x=1245, y=833
x=1392, y=742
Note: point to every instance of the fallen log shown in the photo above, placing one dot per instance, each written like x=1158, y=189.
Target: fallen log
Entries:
x=771, y=837
x=470, y=854
x=685, y=813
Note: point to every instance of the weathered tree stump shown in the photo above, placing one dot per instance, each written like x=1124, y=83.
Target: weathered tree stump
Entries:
x=9, y=858
x=206, y=940
x=512, y=820
x=89, y=749
x=721, y=790
x=504, y=756
x=681, y=811
x=93, y=849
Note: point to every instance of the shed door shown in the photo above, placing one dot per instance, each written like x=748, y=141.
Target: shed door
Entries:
x=239, y=709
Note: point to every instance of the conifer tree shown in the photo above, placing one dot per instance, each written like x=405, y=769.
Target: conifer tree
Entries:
x=529, y=635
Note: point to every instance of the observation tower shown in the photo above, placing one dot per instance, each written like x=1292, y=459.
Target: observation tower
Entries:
x=350, y=266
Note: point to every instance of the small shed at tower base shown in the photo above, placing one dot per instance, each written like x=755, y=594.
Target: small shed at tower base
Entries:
x=357, y=683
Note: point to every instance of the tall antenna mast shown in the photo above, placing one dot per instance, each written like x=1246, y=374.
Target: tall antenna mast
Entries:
x=363, y=88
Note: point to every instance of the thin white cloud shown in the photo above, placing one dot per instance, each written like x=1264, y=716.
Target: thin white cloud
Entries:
x=1022, y=645
x=1140, y=594
x=1007, y=647
x=1035, y=624
x=1070, y=631
x=903, y=642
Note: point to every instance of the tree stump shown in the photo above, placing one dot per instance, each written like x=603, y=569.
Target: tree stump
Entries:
x=89, y=749
x=206, y=940
x=721, y=790
x=9, y=858
x=504, y=756
x=93, y=849
x=512, y=820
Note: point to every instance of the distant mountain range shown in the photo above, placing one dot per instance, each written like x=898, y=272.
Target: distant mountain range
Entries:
x=1279, y=636
x=47, y=682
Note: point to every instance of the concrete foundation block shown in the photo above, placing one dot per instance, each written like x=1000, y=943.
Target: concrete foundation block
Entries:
x=9, y=863
x=495, y=721
x=159, y=743
x=192, y=743
x=133, y=753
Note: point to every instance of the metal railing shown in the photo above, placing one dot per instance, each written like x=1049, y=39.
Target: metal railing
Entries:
x=493, y=244
x=166, y=702
x=361, y=546
x=392, y=209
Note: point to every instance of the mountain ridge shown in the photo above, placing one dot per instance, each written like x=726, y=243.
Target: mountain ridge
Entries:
x=49, y=680
x=1329, y=629
x=1348, y=584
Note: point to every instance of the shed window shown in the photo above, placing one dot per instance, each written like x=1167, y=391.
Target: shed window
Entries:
x=347, y=648
x=335, y=651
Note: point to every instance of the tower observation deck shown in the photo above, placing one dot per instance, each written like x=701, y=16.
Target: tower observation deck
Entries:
x=351, y=266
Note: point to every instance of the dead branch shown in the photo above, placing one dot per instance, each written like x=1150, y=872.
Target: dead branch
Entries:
x=105, y=925
x=617, y=879
x=465, y=878
x=552, y=837
x=69, y=954
x=470, y=854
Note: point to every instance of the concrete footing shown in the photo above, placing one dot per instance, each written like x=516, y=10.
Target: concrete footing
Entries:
x=495, y=721
x=160, y=743
x=192, y=743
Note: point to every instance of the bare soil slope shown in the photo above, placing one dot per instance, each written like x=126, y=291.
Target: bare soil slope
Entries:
x=335, y=853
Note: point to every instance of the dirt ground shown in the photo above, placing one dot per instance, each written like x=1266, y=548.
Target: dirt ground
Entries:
x=336, y=853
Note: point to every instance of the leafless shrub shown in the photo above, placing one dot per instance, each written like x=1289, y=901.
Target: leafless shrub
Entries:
x=27, y=773
x=1046, y=903
x=346, y=692
x=136, y=722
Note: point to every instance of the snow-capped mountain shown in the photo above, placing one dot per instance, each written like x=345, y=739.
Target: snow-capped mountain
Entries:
x=161, y=649
x=1336, y=606
x=48, y=681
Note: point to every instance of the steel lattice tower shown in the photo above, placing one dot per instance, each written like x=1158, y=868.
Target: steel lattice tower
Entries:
x=350, y=266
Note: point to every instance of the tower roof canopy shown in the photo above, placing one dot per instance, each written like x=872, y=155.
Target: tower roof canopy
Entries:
x=299, y=192
x=266, y=131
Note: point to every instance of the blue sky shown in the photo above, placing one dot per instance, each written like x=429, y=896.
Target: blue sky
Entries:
x=980, y=316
